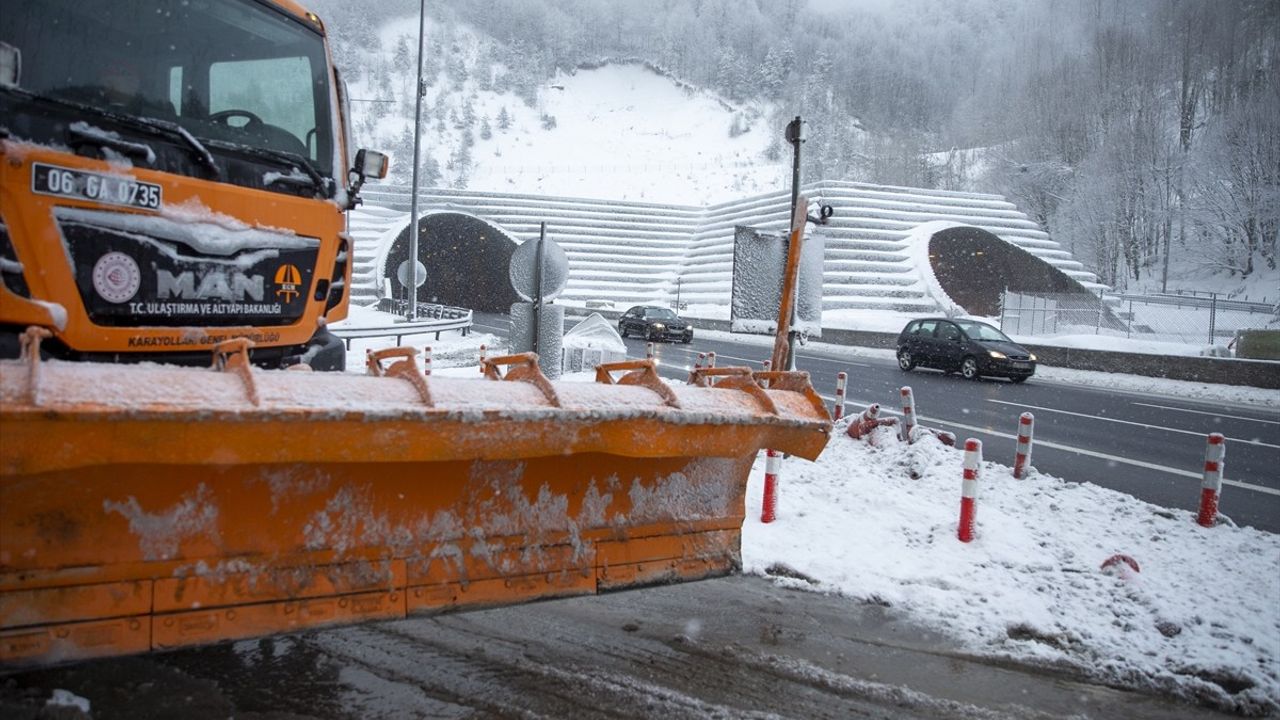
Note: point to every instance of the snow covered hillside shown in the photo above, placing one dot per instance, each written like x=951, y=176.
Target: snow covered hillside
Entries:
x=625, y=132
x=620, y=131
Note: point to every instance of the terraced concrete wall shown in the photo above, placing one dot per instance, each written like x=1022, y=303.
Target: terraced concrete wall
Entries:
x=631, y=253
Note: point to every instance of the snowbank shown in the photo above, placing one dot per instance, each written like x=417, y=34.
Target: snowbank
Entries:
x=877, y=522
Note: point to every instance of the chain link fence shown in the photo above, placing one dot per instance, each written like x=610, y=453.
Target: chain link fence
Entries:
x=1182, y=319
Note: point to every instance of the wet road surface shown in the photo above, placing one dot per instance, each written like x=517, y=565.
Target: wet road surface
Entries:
x=736, y=647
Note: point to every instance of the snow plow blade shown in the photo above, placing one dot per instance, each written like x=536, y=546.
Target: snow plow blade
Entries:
x=153, y=507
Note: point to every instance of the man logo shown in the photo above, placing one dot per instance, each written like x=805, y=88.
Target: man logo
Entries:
x=288, y=279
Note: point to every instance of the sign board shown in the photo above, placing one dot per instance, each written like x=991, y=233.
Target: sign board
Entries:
x=524, y=269
x=759, y=259
x=420, y=274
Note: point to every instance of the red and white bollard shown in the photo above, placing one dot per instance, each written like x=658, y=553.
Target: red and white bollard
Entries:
x=766, y=365
x=482, y=349
x=648, y=353
x=908, y=413
x=969, y=489
x=842, y=381
x=1122, y=565
x=426, y=360
x=772, y=466
x=1210, y=488
x=1022, y=458
x=702, y=358
x=868, y=421
x=711, y=359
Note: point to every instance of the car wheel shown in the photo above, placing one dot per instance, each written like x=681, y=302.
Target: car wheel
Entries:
x=622, y=330
x=969, y=368
x=1019, y=378
x=688, y=339
x=905, y=361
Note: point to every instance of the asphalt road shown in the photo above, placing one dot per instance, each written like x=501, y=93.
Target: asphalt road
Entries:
x=736, y=647
x=1149, y=446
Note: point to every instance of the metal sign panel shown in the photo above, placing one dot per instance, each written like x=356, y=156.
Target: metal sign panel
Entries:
x=759, y=258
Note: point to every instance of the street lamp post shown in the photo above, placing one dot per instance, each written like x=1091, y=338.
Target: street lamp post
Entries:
x=417, y=153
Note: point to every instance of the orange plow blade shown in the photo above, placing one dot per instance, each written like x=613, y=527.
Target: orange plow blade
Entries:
x=151, y=507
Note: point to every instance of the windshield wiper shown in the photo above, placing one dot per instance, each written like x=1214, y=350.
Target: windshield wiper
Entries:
x=201, y=152
x=149, y=125
x=82, y=133
x=314, y=178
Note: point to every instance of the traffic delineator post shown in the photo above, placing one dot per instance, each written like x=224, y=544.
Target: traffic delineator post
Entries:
x=969, y=489
x=1022, y=457
x=842, y=381
x=711, y=359
x=772, y=466
x=908, y=413
x=1120, y=564
x=867, y=421
x=1215, y=453
x=426, y=360
x=648, y=353
x=482, y=349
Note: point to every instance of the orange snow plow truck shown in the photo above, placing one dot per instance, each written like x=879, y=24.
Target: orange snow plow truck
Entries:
x=174, y=179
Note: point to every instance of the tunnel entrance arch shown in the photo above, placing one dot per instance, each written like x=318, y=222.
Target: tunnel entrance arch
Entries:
x=467, y=260
x=973, y=266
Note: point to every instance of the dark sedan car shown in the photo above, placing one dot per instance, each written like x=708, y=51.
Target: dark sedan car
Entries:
x=655, y=323
x=969, y=347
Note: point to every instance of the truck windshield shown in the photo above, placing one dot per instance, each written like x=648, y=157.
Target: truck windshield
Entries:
x=233, y=73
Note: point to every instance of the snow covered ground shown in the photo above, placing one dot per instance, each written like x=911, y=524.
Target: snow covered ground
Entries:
x=876, y=521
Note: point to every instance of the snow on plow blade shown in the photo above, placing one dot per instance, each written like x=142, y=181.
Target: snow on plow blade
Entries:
x=151, y=507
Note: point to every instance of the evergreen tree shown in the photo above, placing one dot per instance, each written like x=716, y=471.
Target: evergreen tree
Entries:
x=486, y=132
x=504, y=119
x=404, y=60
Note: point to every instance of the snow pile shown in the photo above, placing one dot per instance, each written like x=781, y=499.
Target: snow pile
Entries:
x=595, y=333
x=878, y=522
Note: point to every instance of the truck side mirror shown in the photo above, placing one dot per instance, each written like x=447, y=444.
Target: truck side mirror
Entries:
x=368, y=164
x=372, y=164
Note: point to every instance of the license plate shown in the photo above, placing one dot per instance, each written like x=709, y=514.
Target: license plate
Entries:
x=81, y=185
x=1021, y=365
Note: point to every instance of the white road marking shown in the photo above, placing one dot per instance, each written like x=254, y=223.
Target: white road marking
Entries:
x=1213, y=414
x=1131, y=422
x=1093, y=453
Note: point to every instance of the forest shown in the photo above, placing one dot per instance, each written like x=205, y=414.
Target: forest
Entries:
x=1134, y=131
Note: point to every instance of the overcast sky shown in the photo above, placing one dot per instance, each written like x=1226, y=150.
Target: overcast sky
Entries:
x=836, y=5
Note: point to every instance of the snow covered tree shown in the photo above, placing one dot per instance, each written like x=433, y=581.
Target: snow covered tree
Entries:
x=486, y=132
x=504, y=119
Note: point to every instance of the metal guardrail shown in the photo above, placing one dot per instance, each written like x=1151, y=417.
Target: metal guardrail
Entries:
x=433, y=319
x=1199, y=301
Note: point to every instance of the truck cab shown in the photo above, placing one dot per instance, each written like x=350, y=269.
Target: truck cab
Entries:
x=174, y=174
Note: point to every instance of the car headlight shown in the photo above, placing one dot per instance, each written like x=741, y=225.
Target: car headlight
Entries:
x=659, y=326
x=1032, y=357
x=996, y=354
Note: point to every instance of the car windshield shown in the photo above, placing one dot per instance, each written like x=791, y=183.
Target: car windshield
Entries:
x=982, y=331
x=238, y=73
x=660, y=314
